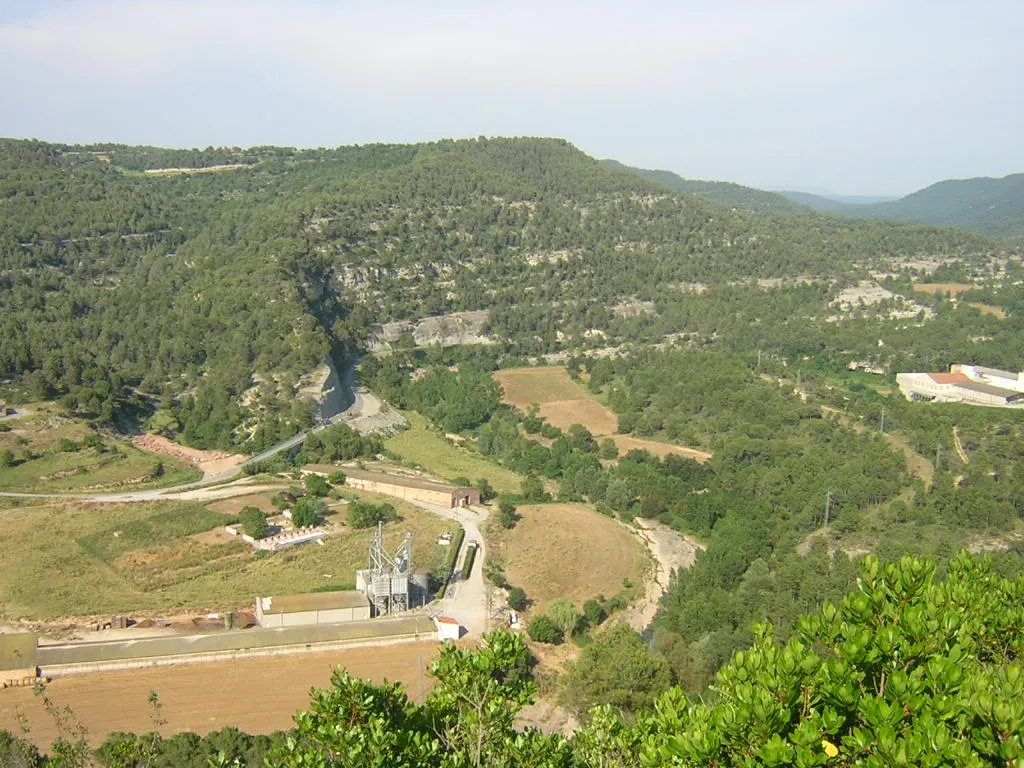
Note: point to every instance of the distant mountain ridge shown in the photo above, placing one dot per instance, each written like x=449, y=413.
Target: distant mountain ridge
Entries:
x=984, y=205
x=722, y=192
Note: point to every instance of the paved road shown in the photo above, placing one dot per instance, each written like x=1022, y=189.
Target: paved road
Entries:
x=466, y=600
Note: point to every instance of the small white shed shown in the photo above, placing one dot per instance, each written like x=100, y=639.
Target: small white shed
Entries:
x=447, y=628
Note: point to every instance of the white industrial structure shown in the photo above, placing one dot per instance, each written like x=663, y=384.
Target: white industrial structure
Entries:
x=969, y=384
x=386, y=581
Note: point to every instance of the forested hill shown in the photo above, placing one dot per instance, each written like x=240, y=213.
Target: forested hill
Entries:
x=210, y=293
x=988, y=206
x=722, y=192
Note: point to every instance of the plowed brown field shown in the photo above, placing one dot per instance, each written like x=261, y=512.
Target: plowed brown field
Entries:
x=255, y=695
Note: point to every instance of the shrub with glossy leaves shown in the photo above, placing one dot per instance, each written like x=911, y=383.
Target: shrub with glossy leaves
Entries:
x=908, y=670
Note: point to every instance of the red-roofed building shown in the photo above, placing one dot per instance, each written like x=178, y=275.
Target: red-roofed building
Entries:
x=948, y=378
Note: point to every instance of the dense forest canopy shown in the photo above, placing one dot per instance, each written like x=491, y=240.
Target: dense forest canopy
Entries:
x=126, y=287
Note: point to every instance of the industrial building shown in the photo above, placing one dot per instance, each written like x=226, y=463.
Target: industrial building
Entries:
x=404, y=487
x=992, y=376
x=316, y=608
x=390, y=582
x=972, y=385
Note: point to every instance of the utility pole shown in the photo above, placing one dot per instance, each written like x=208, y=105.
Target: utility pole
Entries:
x=759, y=359
x=828, y=538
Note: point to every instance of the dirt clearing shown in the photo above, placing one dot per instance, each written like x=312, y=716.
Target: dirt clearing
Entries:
x=625, y=443
x=255, y=695
x=953, y=289
x=590, y=413
x=568, y=550
x=210, y=462
x=525, y=386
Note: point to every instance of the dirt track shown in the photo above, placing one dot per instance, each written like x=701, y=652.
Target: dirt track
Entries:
x=255, y=695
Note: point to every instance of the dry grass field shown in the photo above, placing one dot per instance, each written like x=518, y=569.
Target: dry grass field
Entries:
x=117, y=465
x=953, y=289
x=563, y=403
x=590, y=413
x=255, y=695
x=625, y=443
x=68, y=560
x=988, y=309
x=567, y=550
x=421, y=445
x=233, y=506
x=525, y=386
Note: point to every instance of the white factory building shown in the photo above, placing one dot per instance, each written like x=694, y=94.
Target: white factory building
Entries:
x=970, y=384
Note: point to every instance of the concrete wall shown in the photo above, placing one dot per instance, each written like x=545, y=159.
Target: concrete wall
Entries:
x=441, y=498
x=56, y=660
x=303, y=618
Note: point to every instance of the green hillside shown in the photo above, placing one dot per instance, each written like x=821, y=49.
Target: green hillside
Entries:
x=722, y=192
x=208, y=295
x=987, y=206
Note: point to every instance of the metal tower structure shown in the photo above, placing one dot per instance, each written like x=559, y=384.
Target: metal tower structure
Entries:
x=386, y=581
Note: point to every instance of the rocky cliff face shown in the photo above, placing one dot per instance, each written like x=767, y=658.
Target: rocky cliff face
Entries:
x=446, y=330
x=326, y=389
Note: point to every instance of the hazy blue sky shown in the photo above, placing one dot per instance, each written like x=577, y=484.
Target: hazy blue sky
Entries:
x=852, y=96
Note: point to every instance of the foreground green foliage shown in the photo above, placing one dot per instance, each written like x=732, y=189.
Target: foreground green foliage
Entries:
x=907, y=670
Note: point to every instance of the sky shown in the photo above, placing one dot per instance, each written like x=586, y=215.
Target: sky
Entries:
x=847, y=96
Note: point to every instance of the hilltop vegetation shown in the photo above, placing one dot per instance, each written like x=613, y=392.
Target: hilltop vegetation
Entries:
x=208, y=296
x=987, y=206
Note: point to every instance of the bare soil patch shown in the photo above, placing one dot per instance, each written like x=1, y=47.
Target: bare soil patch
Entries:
x=954, y=289
x=255, y=695
x=211, y=462
x=590, y=413
x=526, y=386
x=625, y=443
x=568, y=550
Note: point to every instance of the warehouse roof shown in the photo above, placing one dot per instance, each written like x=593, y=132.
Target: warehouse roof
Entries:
x=995, y=372
x=948, y=378
x=382, y=477
x=316, y=601
x=988, y=389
